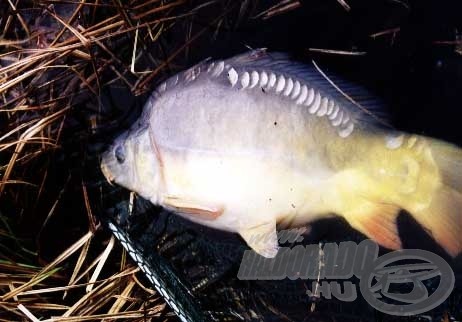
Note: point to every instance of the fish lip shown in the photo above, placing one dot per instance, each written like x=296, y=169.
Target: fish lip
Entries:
x=106, y=173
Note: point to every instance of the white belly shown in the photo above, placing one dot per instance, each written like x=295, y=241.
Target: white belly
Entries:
x=251, y=189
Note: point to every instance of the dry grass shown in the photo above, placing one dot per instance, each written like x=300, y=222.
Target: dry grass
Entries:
x=56, y=58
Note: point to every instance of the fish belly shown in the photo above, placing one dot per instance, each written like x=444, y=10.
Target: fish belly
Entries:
x=251, y=190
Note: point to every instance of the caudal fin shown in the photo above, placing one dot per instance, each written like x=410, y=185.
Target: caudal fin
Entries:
x=443, y=217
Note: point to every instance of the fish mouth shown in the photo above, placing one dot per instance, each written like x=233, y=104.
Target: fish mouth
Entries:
x=107, y=174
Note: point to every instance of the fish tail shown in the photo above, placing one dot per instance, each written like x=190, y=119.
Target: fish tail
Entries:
x=442, y=215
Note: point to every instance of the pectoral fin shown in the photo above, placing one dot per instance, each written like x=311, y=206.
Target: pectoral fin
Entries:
x=378, y=222
x=262, y=239
x=193, y=207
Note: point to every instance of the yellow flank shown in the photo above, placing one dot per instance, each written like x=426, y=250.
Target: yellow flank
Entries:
x=401, y=175
x=379, y=175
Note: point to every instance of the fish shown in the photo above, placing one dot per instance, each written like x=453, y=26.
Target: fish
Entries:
x=259, y=141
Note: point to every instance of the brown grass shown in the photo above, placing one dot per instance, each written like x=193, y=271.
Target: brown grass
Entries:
x=56, y=57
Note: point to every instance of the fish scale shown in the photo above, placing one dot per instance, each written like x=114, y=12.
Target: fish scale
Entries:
x=317, y=103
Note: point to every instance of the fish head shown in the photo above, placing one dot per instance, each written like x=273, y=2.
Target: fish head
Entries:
x=132, y=163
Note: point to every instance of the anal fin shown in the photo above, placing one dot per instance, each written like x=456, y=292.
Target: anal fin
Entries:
x=377, y=221
x=262, y=239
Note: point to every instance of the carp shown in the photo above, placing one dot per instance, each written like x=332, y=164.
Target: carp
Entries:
x=258, y=140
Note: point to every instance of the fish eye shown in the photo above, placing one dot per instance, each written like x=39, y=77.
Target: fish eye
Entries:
x=119, y=154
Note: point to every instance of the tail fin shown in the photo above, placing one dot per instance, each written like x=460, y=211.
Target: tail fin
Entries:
x=448, y=158
x=443, y=217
